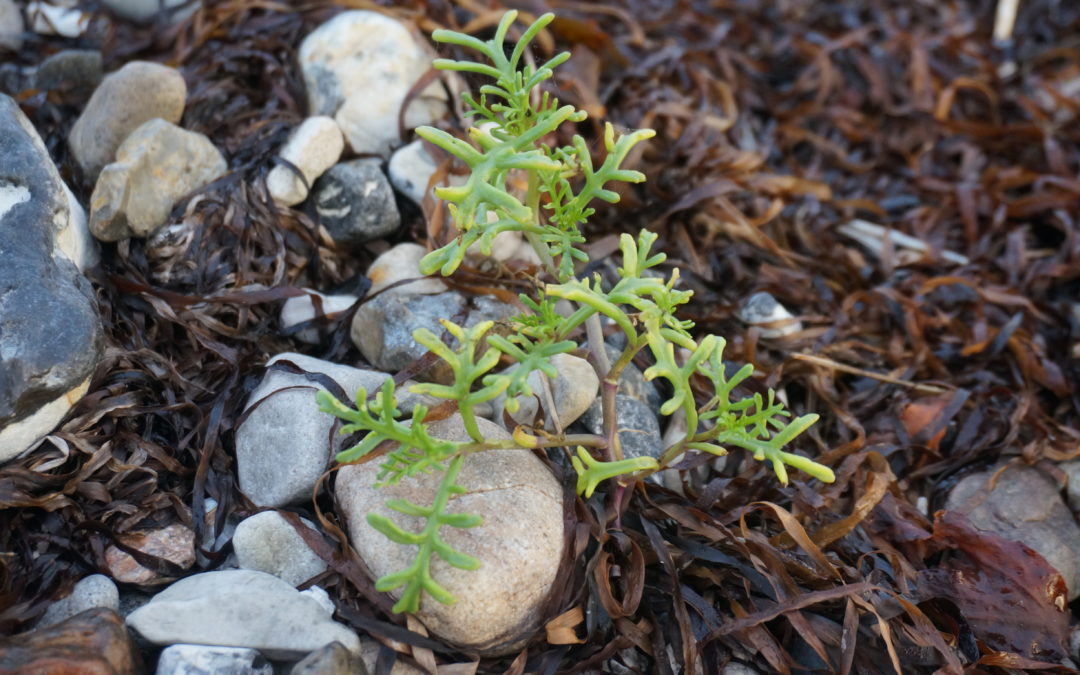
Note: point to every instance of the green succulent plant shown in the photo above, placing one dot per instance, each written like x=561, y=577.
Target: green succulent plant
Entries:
x=513, y=122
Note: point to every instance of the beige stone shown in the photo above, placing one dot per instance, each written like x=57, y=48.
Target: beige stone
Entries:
x=519, y=543
x=314, y=147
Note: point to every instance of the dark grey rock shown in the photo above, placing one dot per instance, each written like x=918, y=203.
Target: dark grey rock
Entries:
x=639, y=428
x=355, y=203
x=1023, y=504
x=49, y=324
x=382, y=328
x=212, y=660
x=633, y=382
x=79, y=69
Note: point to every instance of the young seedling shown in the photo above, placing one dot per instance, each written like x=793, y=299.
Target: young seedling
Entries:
x=512, y=126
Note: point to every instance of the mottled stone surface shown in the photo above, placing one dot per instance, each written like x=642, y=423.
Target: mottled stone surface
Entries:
x=637, y=423
x=268, y=543
x=175, y=543
x=212, y=660
x=94, y=641
x=126, y=99
x=355, y=203
x=49, y=324
x=96, y=590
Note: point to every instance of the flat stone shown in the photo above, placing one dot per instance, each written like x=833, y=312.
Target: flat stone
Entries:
x=287, y=429
x=11, y=26
x=94, y=641
x=519, y=544
x=639, y=428
x=240, y=608
x=301, y=309
x=79, y=69
x=315, y=146
x=125, y=100
x=96, y=590
x=175, y=543
x=355, y=203
x=1023, y=505
x=52, y=335
x=358, y=67
x=268, y=543
x=212, y=660
x=155, y=166
x=402, y=263
x=333, y=659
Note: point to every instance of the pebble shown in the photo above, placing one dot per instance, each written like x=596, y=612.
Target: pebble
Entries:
x=1023, y=505
x=398, y=264
x=287, y=429
x=519, y=544
x=332, y=659
x=157, y=165
x=79, y=69
x=573, y=391
x=142, y=11
x=96, y=590
x=240, y=608
x=52, y=335
x=175, y=543
x=358, y=67
x=54, y=19
x=410, y=170
x=126, y=99
x=212, y=660
x=11, y=26
x=301, y=309
x=773, y=319
x=315, y=146
x=383, y=327
x=355, y=203
x=94, y=641
x=268, y=543
x=639, y=428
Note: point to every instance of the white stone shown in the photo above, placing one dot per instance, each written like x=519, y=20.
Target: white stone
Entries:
x=206, y=659
x=74, y=239
x=519, y=544
x=240, y=608
x=359, y=67
x=504, y=246
x=315, y=146
x=410, y=170
x=46, y=19
x=573, y=391
x=772, y=319
x=301, y=308
x=268, y=543
x=20, y=436
x=288, y=430
x=11, y=26
x=12, y=195
x=400, y=263
x=96, y=590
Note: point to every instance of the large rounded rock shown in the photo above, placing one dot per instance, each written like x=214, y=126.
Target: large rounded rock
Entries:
x=49, y=324
x=519, y=544
x=359, y=67
x=1023, y=504
x=242, y=608
x=127, y=98
x=285, y=428
x=155, y=166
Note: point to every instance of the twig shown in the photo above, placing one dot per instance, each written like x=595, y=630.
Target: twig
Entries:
x=829, y=363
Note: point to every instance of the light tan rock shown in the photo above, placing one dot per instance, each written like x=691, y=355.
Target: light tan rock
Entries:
x=400, y=263
x=519, y=544
x=573, y=391
x=315, y=146
x=127, y=98
x=157, y=165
